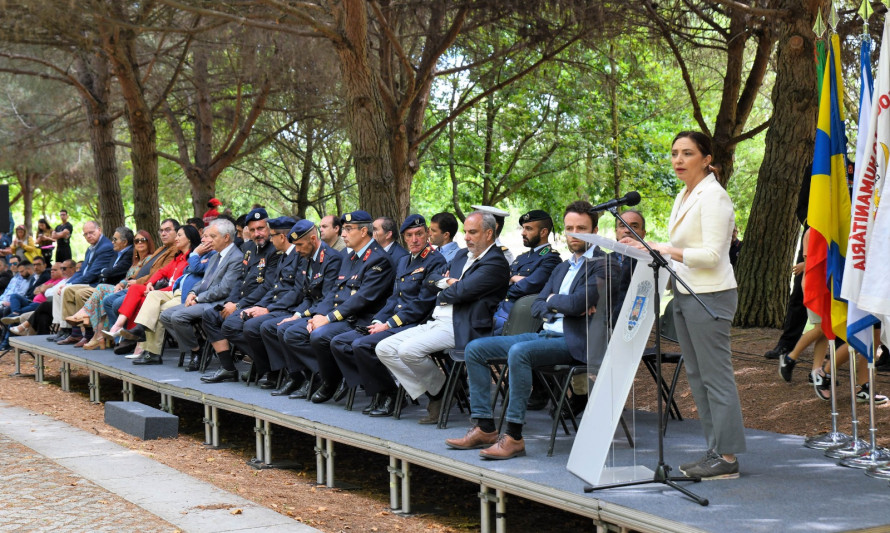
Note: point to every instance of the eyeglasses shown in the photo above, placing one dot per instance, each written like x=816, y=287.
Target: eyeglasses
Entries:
x=88, y=233
x=140, y=240
x=115, y=239
x=350, y=228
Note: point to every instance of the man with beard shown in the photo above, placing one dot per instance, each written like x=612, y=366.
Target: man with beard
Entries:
x=531, y=270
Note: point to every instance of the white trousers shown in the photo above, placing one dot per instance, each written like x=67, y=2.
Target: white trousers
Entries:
x=407, y=355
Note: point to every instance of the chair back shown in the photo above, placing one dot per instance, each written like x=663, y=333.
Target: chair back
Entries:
x=520, y=319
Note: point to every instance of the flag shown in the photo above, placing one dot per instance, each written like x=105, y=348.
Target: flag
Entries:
x=859, y=322
x=874, y=296
x=829, y=206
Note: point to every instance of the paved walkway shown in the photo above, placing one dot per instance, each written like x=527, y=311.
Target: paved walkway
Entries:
x=55, y=477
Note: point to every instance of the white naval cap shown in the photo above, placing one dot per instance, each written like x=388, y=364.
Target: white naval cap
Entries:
x=491, y=210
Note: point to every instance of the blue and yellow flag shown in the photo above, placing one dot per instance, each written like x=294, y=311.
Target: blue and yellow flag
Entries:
x=829, y=207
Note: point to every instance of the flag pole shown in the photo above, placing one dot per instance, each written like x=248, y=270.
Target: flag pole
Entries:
x=875, y=456
x=856, y=446
x=833, y=438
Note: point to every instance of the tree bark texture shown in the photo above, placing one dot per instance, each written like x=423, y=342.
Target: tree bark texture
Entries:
x=764, y=270
x=94, y=74
x=119, y=44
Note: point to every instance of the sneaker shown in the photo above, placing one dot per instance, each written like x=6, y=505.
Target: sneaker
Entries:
x=706, y=457
x=714, y=468
x=786, y=366
x=863, y=396
x=822, y=385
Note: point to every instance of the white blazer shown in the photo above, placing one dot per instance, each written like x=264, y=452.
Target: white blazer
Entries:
x=702, y=227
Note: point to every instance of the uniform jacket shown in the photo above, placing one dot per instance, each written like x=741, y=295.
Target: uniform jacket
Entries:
x=363, y=286
x=255, y=264
x=288, y=272
x=319, y=279
x=412, y=299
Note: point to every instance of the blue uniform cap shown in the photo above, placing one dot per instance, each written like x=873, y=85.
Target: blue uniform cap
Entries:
x=282, y=223
x=255, y=214
x=413, y=221
x=357, y=217
x=300, y=230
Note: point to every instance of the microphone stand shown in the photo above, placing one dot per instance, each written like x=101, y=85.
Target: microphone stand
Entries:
x=662, y=470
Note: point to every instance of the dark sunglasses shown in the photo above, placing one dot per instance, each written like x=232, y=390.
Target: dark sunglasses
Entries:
x=140, y=239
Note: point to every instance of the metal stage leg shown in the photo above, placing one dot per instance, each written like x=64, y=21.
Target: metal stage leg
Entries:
x=38, y=368
x=95, y=393
x=128, y=392
x=486, y=498
x=329, y=464
x=399, y=481
x=320, y=454
x=267, y=442
x=166, y=403
x=258, y=431
x=18, y=362
x=65, y=376
x=211, y=426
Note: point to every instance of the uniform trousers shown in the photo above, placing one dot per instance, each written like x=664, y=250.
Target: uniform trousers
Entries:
x=705, y=344
x=355, y=355
x=179, y=321
x=251, y=339
x=149, y=316
x=313, y=350
x=407, y=355
x=273, y=341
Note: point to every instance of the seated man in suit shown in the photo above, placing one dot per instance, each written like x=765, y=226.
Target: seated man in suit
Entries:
x=223, y=271
x=472, y=285
x=634, y=219
x=318, y=277
x=362, y=288
x=100, y=255
x=278, y=281
x=384, y=232
x=411, y=302
x=565, y=306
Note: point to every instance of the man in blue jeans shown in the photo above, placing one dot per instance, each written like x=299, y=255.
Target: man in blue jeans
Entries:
x=565, y=304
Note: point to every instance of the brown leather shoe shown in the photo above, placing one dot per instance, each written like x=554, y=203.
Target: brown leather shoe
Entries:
x=71, y=339
x=82, y=342
x=432, y=412
x=475, y=438
x=505, y=448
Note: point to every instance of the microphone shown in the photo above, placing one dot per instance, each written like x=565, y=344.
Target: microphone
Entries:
x=630, y=199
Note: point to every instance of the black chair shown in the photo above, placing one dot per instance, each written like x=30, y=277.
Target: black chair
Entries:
x=519, y=320
x=668, y=333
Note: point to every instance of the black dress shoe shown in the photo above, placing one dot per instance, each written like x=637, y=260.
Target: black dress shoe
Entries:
x=193, y=363
x=149, y=358
x=221, y=375
x=375, y=401
x=386, y=407
x=325, y=392
x=125, y=347
x=293, y=386
x=536, y=402
x=302, y=393
x=341, y=391
x=270, y=381
x=136, y=333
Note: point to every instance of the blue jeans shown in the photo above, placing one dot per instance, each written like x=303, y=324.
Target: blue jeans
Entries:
x=112, y=303
x=18, y=304
x=523, y=352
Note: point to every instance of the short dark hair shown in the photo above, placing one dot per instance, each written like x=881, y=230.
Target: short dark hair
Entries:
x=39, y=258
x=582, y=207
x=24, y=263
x=335, y=223
x=63, y=211
x=638, y=213
x=447, y=223
x=172, y=221
x=195, y=221
x=388, y=225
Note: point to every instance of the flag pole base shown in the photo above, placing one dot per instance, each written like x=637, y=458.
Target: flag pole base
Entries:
x=851, y=449
x=876, y=457
x=828, y=440
x=879, y=472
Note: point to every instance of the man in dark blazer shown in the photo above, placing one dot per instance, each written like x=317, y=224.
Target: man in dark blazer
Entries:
x=100, y=255
x=384, y=232
x=471, y=287
x=565, y=306
x=363, y=286
x=223, y=271
x=634, y=219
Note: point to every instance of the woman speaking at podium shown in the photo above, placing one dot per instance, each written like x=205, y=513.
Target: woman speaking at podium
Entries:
x=700, y=230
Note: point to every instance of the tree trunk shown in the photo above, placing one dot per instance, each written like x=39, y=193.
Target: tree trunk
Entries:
x=764, y=264
x=118, y=45
x=365, y=116
x=306, y=173
x=94, y=74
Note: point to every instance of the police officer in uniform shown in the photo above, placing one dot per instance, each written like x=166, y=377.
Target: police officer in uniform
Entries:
x=363, y=286
x=411, y=302
x=279, y=283
x=260, y=257
x=320, y=267
x=530, y=271
x=499, y=216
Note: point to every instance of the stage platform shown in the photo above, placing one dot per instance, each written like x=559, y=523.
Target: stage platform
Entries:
x=783, y=486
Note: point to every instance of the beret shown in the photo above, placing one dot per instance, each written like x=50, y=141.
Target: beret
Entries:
x=257, y=213
x=300, y=230
x=533, y=216
x=359, y=217
x=413, y=221
x=282, y=223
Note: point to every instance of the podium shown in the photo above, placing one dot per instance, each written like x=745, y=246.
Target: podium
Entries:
x=615, y=374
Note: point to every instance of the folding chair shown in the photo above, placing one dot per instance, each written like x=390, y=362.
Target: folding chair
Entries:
x=668, y=333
